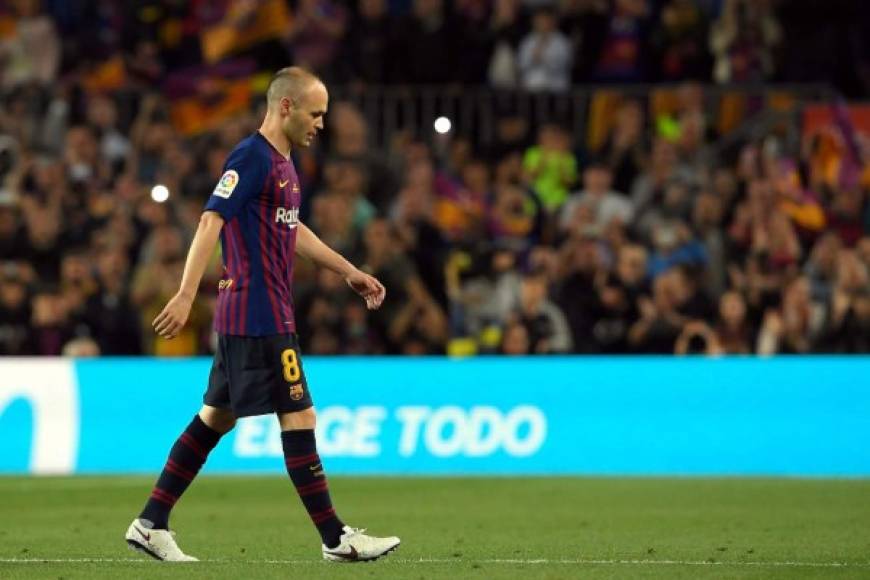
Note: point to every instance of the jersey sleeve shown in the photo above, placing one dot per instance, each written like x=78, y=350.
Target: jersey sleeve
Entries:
x=242, y=180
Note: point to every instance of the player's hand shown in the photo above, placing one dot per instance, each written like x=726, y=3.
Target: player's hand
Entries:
x=368, y=287
x=173, y=317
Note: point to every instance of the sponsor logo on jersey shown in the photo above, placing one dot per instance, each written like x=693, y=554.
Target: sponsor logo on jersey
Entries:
x=228, y=182
x=296, y=392
x=225, y=284
x=284, y=183
x=290, y=216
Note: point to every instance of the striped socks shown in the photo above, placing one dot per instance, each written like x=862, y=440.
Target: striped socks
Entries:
x=306, y=472
x=185, y=460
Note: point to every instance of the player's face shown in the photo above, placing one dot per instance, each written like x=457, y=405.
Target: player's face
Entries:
x=305, y=116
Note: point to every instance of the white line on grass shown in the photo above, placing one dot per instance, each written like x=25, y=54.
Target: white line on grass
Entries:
x=515, y=561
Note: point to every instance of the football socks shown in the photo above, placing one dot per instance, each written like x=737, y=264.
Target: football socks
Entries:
x=306, y=472
x=185, y=460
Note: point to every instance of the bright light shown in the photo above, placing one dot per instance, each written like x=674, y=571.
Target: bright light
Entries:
x=442, y=125
x=159, y=193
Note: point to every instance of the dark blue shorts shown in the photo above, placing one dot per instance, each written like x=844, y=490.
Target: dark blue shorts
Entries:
x=258, y=375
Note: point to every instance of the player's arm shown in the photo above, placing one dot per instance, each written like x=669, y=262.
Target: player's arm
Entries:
x=313, y=248
x=174, y=315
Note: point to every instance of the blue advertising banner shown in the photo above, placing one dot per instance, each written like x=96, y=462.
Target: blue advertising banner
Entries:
x=793, y=416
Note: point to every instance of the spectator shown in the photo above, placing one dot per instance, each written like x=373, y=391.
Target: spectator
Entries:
x=332, y=220
x=347, y=180
x=794, y=327
x=109, y=312
x=544, y=58
x=743, y=41
x=845, y=215
x=618, y=295
x=674, y=246
x=847, y=324
x=664, y=169
x=821, y=267
x=386, y=261
x=733, y=331
x=625, y=48
x=321, y=326
x=50, y=327
x=349, y=141
x=155, y=281
x=113, y=145
x=460, y=212
x=515, y=217
x=32, y=53
x=515, y=340
x=545, y=323
x=15, y=314
x=505, y=32
x=420, y=326
x=661, y=322
x=625, y=149
x=551, y=167
x=605, y=204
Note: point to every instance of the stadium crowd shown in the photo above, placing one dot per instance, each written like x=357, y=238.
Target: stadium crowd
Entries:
x=653, y=241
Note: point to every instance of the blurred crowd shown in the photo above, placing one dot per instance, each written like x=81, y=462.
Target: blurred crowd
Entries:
x=652, y=240
x=531, y=44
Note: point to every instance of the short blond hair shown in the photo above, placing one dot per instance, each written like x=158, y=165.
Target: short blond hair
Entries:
x=291, y=82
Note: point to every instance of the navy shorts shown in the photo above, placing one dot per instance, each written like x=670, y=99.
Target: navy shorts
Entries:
x=257, y=375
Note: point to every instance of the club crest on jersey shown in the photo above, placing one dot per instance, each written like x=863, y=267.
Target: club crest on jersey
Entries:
x=228, y=182
x=296, y=392
x=287, y=216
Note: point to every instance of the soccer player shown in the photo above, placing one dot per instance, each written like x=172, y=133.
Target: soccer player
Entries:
x=257, y=368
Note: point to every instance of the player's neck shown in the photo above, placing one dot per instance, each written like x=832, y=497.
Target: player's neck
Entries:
x=275, y=136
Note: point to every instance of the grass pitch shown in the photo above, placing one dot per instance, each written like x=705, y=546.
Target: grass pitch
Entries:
x=244, y=527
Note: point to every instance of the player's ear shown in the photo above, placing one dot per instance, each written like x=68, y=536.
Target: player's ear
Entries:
x=286, y=104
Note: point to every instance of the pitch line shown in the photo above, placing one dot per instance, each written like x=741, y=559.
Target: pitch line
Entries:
x=512, y=561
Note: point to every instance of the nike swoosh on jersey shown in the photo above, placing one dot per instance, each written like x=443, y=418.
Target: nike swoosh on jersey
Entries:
x=283, y=183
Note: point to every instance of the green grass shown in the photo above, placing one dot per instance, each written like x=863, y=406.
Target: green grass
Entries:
x=452, y=528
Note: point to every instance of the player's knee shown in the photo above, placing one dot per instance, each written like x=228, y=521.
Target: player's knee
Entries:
x=220, y=420
x=305, y=419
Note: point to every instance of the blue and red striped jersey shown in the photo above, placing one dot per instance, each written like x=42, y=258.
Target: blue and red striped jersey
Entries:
x=258, y=197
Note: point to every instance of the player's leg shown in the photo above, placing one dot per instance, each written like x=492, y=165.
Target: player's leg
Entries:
x=186, y=458
x=149, y=532
x=341, y=543
x=306, y=471
x=297, y=418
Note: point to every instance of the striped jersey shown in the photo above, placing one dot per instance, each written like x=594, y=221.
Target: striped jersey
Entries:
x=258, y=197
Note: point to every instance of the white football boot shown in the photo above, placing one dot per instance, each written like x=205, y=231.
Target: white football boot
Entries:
x=355, y=546
x=159, y=544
